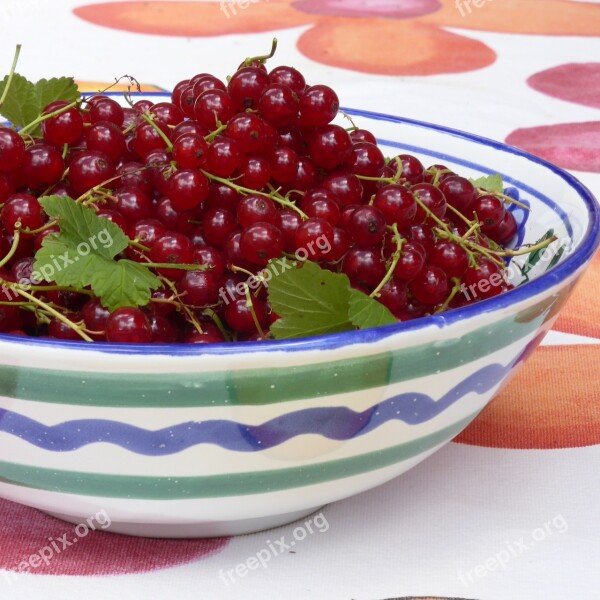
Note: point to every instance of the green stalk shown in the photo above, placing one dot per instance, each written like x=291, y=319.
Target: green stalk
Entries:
x=15, y=244
x=395, y=258
x=10, y=75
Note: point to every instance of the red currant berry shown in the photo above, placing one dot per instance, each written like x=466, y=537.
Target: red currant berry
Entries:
x=106, y=109
x=366, y=226
x=430, y=286
x=128, y=325
x=224, y=157
x=12, y=150
x=460, y=193
x=22, y=208
x=88, y=170
x=190, y=151
x=187, y=189
x=288, y=76
x=64, y=128
x=213, y=107
x=319, y=105
x=314, y=238
x=255, y=209
x=411, y=261
x=397, y=204
x=246, y=86
x=107, y=138
x=261, y=242
x=330, y=146
x=172, y=248
x=43, y=166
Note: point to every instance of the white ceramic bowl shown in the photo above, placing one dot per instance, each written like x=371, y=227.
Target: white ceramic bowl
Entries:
x=180, y=441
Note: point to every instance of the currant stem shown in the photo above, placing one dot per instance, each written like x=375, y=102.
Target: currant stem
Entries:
x=244, y=190
x=395, y=258
x=209, y=312
x=11, y=74
x=45, y=117
x=455, y=289
x=250, y=306
x=182, y=305
x=51, y=310
x=526, y=249
x=15, y=244
x=158, y=130
x=178, y=266
x=265, y=57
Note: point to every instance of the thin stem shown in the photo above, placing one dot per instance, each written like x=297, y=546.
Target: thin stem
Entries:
x=182, y=305
x=52, y=311
x=250, y=306
x=263, y=58
x=244, y=190
x=15, y=244
x=179, y=266
x=158, y=130
x=45, y=117
x=455, y=289
x=395, y=258
x=11, y=74
x=526, y=249
x=209, y=312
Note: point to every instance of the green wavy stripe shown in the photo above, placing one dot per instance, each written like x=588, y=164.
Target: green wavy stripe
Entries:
x=215, y=486
x=268, y=385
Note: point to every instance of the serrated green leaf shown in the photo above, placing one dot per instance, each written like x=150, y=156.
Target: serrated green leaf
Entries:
x=366, y=312
x=82, y=225
x=490, y=183
x=57, y=88
x=310, y=301
x=20, y=105
x=26, y=100
x=124, y=283
x=82, y=255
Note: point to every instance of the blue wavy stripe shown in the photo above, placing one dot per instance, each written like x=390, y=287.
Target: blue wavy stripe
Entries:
x=336, y=423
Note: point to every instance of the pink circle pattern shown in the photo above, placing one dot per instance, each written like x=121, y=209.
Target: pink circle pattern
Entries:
x=570, y=145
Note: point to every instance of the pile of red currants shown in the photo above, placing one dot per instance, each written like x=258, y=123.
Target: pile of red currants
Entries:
x=229, y=176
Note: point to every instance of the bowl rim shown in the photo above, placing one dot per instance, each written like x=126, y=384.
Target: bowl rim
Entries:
x=587, y=248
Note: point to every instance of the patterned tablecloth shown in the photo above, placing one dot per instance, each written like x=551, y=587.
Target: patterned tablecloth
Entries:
x=511, y=509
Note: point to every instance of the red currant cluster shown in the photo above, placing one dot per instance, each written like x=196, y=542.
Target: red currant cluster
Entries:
x=229, y=176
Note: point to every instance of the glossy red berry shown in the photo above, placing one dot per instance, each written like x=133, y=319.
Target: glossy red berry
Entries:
x=128, y=325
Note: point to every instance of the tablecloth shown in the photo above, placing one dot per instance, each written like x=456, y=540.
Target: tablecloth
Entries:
x=511, y=509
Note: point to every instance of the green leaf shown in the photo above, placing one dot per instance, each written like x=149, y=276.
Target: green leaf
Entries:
x=366, y=312
x=26, y=100
x=57, y=88
x=124, y=283
x=310, y=301
x=20, y=105
x=82, y=224
x=82, y=255
x=490, y=183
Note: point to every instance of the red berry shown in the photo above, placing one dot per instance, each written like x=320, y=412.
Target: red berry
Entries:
x=128, y=325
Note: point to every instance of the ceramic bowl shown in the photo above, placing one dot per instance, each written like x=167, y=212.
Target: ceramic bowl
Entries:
x=180, y=441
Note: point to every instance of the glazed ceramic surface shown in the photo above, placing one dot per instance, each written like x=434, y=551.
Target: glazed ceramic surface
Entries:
x=182, y=441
